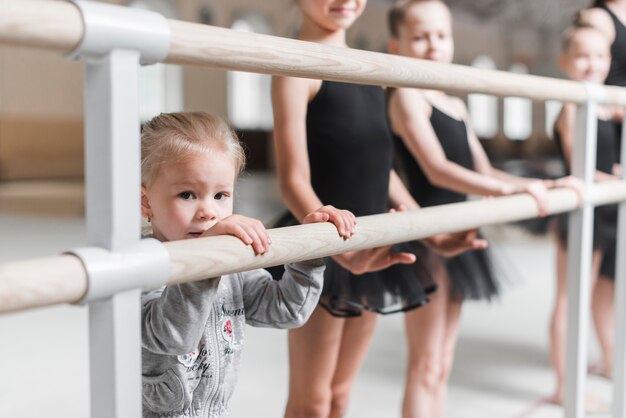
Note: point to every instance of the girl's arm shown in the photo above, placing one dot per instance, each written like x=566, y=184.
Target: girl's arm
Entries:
x=409, y=114
x=483, y=165
x=565, y=123
x=399, y=196
x=599, y=19
x=290, y=98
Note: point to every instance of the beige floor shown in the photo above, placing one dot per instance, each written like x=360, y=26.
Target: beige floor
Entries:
x=501, y=369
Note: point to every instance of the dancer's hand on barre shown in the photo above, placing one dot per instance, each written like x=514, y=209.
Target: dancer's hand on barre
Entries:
x=570, y=182
x=538, y=189
x=373, y=259
x=249, y=230
x=344, y=220
x=456, y=243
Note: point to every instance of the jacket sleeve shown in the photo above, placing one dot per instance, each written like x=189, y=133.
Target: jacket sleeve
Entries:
x=285, y=303
x=174, y=317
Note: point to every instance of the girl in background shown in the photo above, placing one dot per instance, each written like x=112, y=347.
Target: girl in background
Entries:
x=443, y=162
x=586, y=57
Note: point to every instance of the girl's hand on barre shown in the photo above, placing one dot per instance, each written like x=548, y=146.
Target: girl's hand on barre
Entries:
x=456, y=243
x=373, y=259
x=539, y=191
x=574, y=183
x=249, y=230
x=344, y=220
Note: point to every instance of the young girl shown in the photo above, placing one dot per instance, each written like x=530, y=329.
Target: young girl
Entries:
x=333, y=147
x=609, y=16
x=586, y=57
x=443, y=162
x=193, y=332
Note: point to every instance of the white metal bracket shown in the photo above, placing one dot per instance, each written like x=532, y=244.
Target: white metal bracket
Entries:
x=144, y=267
x=109, y=27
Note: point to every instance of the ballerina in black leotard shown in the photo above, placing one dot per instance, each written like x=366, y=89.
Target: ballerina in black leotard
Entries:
x=333, y=147
x=586, y=57
x=443, y=163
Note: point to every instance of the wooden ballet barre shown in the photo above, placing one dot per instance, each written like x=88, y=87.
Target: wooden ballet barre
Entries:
x=58, y=26
x=62, y=279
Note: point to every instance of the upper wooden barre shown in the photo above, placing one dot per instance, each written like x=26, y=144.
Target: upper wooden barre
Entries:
x=58, y=26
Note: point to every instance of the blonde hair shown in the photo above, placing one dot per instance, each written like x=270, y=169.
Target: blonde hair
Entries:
x=397, y=13
x=172, y=136
x=579, y=23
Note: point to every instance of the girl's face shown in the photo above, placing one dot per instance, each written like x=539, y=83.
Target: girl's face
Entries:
x=332, y=15
x=188, y=197
x=588, y=57
x=426, y=33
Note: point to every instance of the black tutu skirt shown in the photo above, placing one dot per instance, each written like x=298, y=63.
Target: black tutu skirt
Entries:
x=471, y=273
x=399, y=288
x=604, y=237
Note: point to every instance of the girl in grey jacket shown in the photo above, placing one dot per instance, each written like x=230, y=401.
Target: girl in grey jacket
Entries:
x=193, y=333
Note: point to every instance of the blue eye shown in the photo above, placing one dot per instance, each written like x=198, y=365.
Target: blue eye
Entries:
x=221, y=196
x=186, y=195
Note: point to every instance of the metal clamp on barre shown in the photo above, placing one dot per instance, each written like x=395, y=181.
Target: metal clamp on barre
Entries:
x=595, y=92
x=146, y=267
x=109, y=27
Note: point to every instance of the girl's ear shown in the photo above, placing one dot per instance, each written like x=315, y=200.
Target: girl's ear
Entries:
x=146, y=210
x=563, y=63
x=392, y=46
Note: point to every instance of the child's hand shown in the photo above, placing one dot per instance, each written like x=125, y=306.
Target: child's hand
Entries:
x=344, y=220
x=574, y=183
x=249, y=230
x=373, y=259
x=539, y=191
x=456, y=243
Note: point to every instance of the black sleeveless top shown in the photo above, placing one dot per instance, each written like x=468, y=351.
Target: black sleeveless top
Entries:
x=452, y=134
x=617, y=73
x=605, y=152
x=350, y=147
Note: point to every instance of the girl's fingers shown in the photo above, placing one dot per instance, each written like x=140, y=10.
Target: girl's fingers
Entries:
x=259, y=244
x=257, y=233
x=349, y=221
x=264, y=238
x=402, y=258
x=338, y=220
x=239, y=232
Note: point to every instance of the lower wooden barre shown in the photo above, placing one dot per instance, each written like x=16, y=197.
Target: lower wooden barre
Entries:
x=62, y=279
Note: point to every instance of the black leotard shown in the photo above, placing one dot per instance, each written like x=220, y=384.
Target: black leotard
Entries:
x=470, y=273
x=617, y=73
x=350, y=157
x=605, y=217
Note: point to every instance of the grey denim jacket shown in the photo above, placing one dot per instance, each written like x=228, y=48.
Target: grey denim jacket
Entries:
x=193, y=334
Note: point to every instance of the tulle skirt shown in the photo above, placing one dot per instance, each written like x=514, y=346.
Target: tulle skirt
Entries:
x=604, y=237
x=471, y=273
x=395, y=289
x=604, y=234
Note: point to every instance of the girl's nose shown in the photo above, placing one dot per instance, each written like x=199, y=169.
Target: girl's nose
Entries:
x=206, y=212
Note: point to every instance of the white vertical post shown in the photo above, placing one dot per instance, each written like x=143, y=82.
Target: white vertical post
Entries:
x=580, y=248
x=619, y=354
x=112, y=155
x=115, y=41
